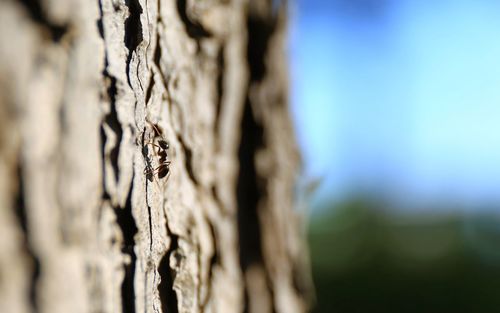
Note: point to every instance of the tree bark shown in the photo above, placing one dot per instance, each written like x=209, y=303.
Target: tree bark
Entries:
x=86, y=87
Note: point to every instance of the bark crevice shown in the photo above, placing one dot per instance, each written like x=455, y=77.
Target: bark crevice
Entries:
x=260, y=31
x=213, y=262
x=188, y=158
x=23, y=223
x=133, y=32
x=252, y=186
x=168, y=296
x=194, y=29
x=249, y=193
x=128, y=227
x=149, y=90
x=221, y=66
x=157, y=54
x=111, y=120
x=38, y=15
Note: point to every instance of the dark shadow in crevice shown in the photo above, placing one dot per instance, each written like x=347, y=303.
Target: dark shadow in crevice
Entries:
x=150, y=222
x=127, y=224
x=102, y=133
x=248, y=195
x=220, y=87
x=157, y=59
x=149, y=90
x=214, y=261
x=193, y=28
x=251, y=188
x=188, y=160
x=100, y=25
x=260, y=29
x=168, y=297
x=111, y=119
x=133, y=31
x=22, y=217
x=36, y=12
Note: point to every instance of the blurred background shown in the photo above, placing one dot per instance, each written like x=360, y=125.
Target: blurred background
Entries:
x=397, y=110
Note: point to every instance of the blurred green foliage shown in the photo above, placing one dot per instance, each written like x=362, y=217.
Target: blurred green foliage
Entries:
x=367, y=258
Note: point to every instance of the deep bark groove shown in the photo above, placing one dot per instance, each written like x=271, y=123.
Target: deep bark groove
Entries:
x=248, y=194
x=23, y=222
x=36, y=11
x=193, y=29
x=168, y=297
x=149, y=90
x=252, y=187
x=157, y=54
x=133, y=31
x=260, y=30
x=111, y=119
x=188, y=161
x=220, y=87
x=214, y=261
x=127, y=224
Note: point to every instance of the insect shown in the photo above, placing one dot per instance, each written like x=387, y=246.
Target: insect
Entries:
x=160, y=147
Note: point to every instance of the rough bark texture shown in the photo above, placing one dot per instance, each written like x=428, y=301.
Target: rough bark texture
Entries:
x=82, y=228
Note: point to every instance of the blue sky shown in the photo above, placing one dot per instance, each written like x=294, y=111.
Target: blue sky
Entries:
x=400, y=98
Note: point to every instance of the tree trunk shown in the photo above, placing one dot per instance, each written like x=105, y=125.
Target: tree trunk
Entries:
x=89, y=220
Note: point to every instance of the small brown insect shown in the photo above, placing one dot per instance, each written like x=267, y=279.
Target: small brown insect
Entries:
x=160, y=147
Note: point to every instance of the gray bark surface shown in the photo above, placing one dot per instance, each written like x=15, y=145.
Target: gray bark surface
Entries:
x=82, y=228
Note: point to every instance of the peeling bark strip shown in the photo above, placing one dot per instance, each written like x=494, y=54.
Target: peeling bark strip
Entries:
x=79, y=90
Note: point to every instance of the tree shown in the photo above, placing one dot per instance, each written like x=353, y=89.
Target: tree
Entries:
x=88, y=92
